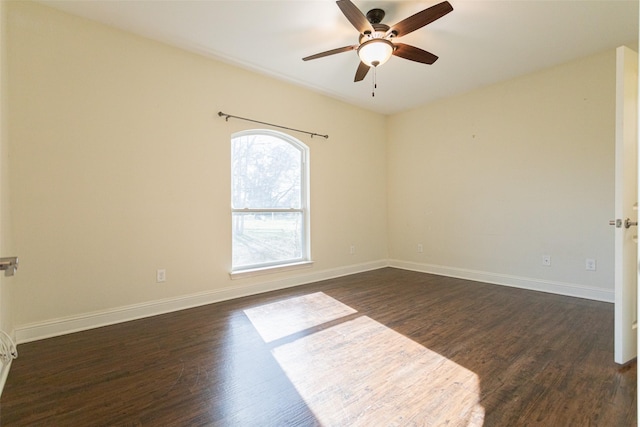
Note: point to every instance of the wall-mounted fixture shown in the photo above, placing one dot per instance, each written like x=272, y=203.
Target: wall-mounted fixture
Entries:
x=9, y=265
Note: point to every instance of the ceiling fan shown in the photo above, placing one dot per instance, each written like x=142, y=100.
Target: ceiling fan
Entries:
x=375, y=45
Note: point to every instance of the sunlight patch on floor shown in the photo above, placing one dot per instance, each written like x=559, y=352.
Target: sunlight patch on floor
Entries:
x=286, y=317
x=360, y=372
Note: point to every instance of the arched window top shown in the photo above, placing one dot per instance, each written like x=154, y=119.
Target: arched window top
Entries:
x=273, y=134
x=268, y=170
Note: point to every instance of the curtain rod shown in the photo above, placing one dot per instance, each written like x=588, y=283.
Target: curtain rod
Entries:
x=229, y=116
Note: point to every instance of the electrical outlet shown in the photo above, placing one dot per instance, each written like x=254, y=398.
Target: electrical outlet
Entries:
x=590, y=264
x=352, y=249
x=420, y=248
x=546, y=260
x=161, y=275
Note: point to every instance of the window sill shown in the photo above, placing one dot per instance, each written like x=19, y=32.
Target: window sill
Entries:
x=241, y=274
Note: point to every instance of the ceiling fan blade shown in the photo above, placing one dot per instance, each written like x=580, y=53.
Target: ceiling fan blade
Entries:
x=361, y=72
x=413, y=53
x=421, y=19
x=355, y=16
x=330, y=52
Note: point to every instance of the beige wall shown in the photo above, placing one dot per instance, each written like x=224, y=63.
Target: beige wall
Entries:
x=6, y=243
x=120, y=166
x=491, y=180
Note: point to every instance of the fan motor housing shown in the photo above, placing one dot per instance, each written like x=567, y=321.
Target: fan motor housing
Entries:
x=379, y=31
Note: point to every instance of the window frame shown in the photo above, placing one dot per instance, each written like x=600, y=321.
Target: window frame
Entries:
x=305, y=241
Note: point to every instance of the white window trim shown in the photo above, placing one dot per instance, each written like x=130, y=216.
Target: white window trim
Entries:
x=251, y=272
x=287, y=265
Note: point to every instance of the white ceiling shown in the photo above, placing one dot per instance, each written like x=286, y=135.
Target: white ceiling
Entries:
x=479, y=43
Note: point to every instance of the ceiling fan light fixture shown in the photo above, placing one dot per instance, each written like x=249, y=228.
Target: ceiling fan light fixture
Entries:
x=375, y=52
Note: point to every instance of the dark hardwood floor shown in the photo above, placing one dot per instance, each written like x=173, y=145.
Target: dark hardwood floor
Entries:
x=382, y=348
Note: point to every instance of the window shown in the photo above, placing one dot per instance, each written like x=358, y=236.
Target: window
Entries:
x=269, y=200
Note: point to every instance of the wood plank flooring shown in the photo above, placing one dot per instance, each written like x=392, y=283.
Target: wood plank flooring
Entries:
x=383, y=348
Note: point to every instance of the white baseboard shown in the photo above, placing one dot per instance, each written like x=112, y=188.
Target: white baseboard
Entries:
x=67, y=325
x=560, y=288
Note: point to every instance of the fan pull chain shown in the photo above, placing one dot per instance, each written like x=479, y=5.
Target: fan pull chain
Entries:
x=375, y=85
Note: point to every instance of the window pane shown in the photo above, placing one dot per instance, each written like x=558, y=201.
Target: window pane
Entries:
x=266, y=173
x=264, y=238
